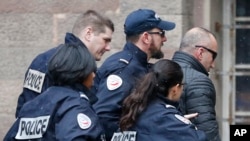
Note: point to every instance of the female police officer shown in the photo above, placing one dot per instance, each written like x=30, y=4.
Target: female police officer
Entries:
x=63, y=112
x=150, y=113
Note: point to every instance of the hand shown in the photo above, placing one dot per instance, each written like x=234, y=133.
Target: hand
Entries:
x=189, y=116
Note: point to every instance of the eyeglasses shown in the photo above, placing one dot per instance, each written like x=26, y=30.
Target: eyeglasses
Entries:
x=214, y=54
x=161, y=33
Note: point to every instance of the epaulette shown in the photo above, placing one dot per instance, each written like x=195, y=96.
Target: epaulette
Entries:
x=126, y=59
x=123, y=60
x=82, y=95
x=169, y=106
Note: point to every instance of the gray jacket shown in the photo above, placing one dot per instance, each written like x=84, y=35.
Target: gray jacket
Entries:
x=198, y=95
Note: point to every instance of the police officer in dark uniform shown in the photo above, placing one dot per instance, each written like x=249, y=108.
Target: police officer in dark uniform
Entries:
x=116, y=77
x=63, y=112
x=150, y=112
x=91, y=29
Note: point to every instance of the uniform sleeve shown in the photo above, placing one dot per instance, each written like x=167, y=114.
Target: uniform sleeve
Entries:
x=111, y=91
x=111, y=96
x=112, y=86
x=10, y=135
x=201, y=98
x=32, y=84
x=176, y=127
x=78, y=122
x=36, y=81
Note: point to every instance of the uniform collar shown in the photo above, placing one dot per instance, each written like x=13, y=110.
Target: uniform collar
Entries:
x=186, y=59
x=81, y=88
x=136, y=52
x=72, y=39
x=167, y=101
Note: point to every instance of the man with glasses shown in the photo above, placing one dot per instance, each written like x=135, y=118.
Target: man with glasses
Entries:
x=116, y=77
x=196, y=56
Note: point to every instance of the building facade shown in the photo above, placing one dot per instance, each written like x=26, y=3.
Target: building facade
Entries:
x=30, y=27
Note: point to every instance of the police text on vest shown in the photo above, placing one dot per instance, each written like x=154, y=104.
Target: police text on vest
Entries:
x=32, y=128
x=124, y=136
x=34, y=80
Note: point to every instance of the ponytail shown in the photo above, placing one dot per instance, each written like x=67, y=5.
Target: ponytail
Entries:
x=138, y=100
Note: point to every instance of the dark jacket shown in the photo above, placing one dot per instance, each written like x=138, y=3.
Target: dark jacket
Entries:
x=114, y=81
x=36, y=78
x=161, y=121
x=198, y=95
x=58, y=114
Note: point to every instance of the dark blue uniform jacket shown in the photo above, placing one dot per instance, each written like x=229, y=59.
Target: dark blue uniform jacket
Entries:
x=161, y=121
x=60, y=113
x=128, y=65
x=36, y=78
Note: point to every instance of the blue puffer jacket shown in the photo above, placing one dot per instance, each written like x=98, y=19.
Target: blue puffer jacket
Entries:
x=198, y=95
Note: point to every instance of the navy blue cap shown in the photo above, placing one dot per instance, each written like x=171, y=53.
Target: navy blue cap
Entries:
x=143, y=20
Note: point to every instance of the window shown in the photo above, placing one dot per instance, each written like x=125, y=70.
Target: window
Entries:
x=242, y=62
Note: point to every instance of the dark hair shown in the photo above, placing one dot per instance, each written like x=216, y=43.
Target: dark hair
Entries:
x=164, y=75
x=132, y=38
x=71, y=64
x=93, y=19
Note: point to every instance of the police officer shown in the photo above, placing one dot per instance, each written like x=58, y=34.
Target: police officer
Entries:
x=145, y=35
x=63, y=111
x=91, y=29
x=150, y=111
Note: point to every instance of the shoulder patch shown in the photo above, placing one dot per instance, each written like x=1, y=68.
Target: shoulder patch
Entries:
x=114, y=82
x=183, y=119
x=83, y=121
x=34, y=80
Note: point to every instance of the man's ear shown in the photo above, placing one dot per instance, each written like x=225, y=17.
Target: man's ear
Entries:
x=87, y=33
x=198, y=54
x=146, y=38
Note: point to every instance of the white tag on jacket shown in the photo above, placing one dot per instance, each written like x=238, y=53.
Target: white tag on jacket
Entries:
x=124, y=136
x=183, y=119
x=32, y=128
x=34, y=80
x=83, y=121
x=114, y=82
